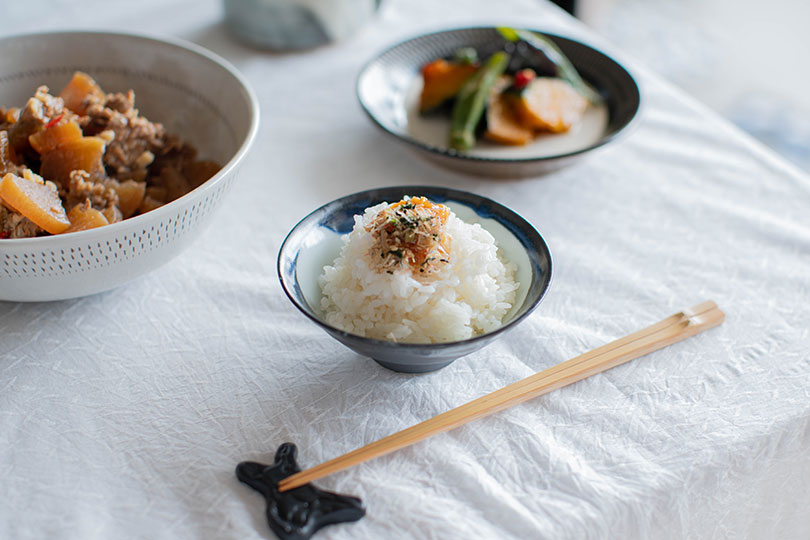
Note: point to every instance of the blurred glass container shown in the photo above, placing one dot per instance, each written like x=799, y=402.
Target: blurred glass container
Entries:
x=296, y=24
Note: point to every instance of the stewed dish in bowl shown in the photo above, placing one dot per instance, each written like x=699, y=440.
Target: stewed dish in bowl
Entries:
x=115, y=149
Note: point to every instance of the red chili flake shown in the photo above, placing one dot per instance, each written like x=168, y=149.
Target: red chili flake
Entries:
x=524, y=77
x=4, y=235
x=54, y=121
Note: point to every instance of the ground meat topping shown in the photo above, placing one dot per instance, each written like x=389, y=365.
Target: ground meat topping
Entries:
x=410, y=234
x=14, y=225
x=37, y=113
x=81, y=188
x=7, y=156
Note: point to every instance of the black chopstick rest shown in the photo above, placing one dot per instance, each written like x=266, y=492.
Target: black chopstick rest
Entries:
x=296, y=514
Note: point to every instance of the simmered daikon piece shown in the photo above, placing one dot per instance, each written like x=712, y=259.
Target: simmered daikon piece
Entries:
x=79, y=154
x=198, y=172
x=84, y=216
x=80, y=92
x=35, y=199
x=55, y=135
x=148, y=204
x=175, y=183
x=130, y=196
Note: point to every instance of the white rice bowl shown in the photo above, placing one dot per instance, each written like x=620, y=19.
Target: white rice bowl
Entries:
x=467, y=297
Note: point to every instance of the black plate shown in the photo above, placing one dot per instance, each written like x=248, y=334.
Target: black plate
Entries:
x=385, y=81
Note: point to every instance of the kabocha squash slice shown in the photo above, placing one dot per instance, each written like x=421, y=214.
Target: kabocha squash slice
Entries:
x=442, y=81
x=35, y=199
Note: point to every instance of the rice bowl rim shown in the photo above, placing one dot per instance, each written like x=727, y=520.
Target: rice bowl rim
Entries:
x=509, y=219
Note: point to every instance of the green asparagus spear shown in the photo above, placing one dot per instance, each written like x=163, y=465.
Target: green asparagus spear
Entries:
x=471, y=100
x=565, y=69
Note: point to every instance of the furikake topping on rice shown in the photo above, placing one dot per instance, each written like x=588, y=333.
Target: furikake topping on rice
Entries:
x=414, y=272
x=410, y=234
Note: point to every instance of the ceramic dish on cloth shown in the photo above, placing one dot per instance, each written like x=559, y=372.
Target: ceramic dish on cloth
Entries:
x=195, y=94
x=389, y=86
x=317, y=240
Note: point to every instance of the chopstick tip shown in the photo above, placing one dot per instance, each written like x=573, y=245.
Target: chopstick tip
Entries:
x=706, y=314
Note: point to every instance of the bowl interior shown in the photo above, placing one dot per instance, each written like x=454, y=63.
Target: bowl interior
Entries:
x=317, y=240
x=177, y=85
x=388, y=88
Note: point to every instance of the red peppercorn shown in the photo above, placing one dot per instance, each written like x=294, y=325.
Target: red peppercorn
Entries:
x=54, y=121
x=4, y=235
x=524, y=77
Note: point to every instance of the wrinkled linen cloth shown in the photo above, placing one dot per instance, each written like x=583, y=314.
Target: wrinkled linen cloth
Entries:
x=123, y=415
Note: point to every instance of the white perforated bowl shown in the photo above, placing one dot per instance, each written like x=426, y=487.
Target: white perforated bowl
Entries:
x=191, y=91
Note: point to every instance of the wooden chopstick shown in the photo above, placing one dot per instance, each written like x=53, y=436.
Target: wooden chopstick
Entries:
x=665, y=332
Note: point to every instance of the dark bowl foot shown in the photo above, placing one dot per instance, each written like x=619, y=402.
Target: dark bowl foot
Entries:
x=413, y=368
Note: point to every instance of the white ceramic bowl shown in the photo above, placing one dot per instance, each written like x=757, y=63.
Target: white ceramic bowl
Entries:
x=191, y=91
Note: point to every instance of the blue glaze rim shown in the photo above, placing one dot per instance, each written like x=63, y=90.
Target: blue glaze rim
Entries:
x=524, y=231
x=613, y=132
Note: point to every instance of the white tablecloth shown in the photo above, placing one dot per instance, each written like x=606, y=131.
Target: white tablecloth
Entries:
x=123, y=415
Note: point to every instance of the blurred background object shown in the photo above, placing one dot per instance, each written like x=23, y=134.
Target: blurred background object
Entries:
x=743, y=58
x=296, y=24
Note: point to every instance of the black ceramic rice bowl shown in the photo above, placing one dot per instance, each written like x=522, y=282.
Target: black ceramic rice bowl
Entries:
x=317, y=240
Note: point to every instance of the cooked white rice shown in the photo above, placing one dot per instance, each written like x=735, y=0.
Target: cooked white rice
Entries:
x=468, y=296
